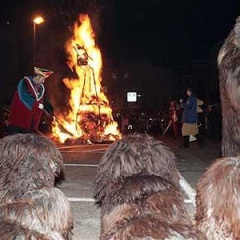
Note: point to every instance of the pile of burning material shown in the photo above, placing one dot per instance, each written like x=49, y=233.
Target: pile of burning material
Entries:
x=90, y=117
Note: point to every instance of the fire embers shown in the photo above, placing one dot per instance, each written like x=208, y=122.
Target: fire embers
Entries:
x=137, y=188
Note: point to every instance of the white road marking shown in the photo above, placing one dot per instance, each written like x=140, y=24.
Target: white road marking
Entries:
x=80, y=165
x=191, y=193
x=74, y=199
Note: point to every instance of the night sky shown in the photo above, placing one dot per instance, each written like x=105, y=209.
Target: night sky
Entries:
x=172, y=31
x=129, y=33
x=152, y=30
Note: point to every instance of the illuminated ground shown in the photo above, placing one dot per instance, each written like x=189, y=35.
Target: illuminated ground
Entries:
x=80, y=170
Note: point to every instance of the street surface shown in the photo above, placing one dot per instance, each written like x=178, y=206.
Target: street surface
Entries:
x=80, y=169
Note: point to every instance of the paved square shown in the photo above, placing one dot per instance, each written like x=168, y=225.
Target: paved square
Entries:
x=78, y=187
x=81, y=167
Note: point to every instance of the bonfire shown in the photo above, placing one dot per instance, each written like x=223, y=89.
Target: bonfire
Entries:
x=90, y=115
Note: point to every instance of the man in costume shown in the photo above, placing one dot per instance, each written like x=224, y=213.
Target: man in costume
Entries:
x=28, y=103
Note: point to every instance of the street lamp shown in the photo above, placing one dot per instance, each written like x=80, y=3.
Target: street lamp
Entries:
x=37, y=20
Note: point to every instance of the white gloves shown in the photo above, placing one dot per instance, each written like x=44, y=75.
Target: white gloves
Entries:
x=40, y=106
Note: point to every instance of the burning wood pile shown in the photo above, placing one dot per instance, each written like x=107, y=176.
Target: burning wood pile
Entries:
x=90, y=116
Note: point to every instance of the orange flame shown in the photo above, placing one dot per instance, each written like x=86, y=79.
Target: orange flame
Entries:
x=90, y=116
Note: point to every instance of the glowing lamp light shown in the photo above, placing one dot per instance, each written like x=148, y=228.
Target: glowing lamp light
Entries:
x=38, y=20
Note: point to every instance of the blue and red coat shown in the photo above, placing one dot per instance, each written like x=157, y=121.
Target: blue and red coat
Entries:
x=26, y=108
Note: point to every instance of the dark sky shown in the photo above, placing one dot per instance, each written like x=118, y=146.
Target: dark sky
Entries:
x=172, y=30
x=137, y=30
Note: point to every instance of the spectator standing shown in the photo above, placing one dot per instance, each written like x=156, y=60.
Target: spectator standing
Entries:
x=190, y=119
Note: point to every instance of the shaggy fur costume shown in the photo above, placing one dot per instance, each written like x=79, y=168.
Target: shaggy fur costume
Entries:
x=218, y=201
x=229, y=75
x=30, y=206
x=137, y=188
x=132, y=155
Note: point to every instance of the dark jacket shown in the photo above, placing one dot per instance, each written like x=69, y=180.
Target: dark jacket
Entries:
x=190, y=110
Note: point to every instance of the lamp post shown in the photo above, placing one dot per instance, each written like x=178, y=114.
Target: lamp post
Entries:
x=37, y=20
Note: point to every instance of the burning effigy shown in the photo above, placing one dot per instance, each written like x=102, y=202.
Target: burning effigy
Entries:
x=90, y=116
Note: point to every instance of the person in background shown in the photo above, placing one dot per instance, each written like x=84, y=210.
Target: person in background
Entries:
x=174, y=118
x=28, y=103
x=190, y=119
